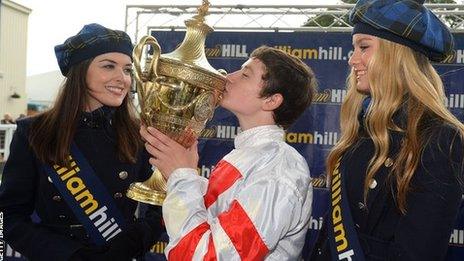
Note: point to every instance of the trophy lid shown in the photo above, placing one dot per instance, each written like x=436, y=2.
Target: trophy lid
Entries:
x=188, y=62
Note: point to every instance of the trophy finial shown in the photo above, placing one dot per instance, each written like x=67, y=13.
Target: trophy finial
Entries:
x=202, y=11
x=191, y=51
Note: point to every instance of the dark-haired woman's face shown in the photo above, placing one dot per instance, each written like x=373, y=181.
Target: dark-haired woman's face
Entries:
x=364, y=46
x=108, y=80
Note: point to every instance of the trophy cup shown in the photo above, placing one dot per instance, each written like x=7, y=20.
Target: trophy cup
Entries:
x=177, y=94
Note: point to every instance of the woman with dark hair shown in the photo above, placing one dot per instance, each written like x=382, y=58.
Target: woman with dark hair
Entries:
x=396, y=172
x=72, y=164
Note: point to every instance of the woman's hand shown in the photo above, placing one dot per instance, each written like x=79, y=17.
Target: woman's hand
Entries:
x=167, y=154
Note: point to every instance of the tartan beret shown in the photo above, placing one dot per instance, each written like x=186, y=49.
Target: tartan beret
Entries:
x=406, y=22
x=92, y=40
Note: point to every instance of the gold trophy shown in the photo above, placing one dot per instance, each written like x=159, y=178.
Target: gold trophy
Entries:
x=177, y=93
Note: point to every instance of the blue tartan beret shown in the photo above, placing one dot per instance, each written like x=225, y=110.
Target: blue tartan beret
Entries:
x=92, y=40
x=406, y=22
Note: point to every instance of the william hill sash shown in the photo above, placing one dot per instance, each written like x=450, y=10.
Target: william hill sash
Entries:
x=343, y=238
x=87, y=197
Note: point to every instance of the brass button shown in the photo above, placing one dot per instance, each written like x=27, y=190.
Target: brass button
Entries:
x=50, y=180
x=373, y=184
x=118, y=195
x=123, y=174
x=56, y=198
x=388, y=162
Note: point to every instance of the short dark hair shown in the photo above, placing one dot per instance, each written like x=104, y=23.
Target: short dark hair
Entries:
x=289, y=76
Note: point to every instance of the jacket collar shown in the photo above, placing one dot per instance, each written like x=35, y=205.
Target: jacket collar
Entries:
x=98, y=117
x=258, y=135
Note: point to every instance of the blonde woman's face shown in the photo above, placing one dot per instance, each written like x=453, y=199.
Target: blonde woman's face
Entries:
x=364, y=47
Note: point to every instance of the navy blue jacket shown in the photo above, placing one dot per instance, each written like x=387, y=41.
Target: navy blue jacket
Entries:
x=432, y=204
x=26, y=189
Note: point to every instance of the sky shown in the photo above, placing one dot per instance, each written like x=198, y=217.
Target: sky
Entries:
x=51, y=22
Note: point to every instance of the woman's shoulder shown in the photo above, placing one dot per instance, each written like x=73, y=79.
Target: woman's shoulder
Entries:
x=445, y=141
x=24, y=125
x=26, y=121
x=446, y=135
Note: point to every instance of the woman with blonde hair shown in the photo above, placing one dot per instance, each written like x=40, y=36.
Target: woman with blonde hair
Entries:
x=396, y=172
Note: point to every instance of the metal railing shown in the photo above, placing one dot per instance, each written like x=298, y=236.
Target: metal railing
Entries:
x=6, y=135
x=142, y=18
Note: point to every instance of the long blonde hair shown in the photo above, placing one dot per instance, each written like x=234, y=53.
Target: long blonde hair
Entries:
x=398, y=77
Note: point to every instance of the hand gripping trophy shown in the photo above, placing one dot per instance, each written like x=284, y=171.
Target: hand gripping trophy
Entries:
x=177, y=93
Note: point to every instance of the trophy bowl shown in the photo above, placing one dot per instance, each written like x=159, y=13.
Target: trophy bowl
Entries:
x=177, y=94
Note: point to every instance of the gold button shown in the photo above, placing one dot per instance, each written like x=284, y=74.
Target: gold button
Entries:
x=373, y=184
x=123, y=174
x=56, y=198
x=388, y=162
x=118, y=195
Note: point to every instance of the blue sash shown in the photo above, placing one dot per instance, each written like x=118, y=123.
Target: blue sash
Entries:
x=343, y=238
x=87, y=197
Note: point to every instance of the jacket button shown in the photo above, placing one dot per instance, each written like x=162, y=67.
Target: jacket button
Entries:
x=56, y=198
x=388, y=162
x=62, y=216
x=373, y=184
x=123, y=174
x=50, y=180
x=361, y=205
x=118, y=195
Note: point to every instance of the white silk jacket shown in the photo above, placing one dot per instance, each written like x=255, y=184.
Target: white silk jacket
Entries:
x=255, y=206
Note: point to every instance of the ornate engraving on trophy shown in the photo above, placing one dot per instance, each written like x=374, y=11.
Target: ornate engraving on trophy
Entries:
x=204, y=107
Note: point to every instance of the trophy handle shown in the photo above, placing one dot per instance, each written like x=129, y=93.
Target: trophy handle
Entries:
x=147, y=78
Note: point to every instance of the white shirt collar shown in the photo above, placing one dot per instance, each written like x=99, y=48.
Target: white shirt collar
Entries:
x=259, y=135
